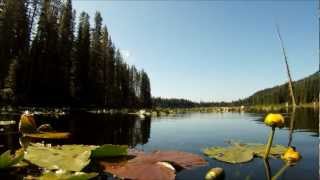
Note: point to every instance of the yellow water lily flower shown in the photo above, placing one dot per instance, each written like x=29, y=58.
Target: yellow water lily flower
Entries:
x=274, y=120
x=291, y=155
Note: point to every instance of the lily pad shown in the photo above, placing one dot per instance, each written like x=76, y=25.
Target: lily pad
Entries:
x=229, y=154
x=8, y=160
x=48, y=135
x=66, y=157
x=241, y=153
x=67, y=176
x=70, y=157
x=109, y=150
x=151, y=167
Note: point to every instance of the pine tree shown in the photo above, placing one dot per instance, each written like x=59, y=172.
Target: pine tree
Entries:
x=145, y=91
x=65, y=46
x=14, y=41
x=80, y=62
x=95, y=66
x=46, y=86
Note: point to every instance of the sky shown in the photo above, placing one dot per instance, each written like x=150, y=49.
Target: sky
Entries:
x=212, y=50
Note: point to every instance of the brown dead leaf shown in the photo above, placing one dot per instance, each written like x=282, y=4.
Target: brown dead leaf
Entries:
x=179, y=159
x=146, y=167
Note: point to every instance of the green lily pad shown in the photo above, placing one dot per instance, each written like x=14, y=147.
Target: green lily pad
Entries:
x=67, y=176
x=109, y=150
x=241, y=153
x=229, y=154
x=259, y=149
x=8, y=160
x=66, y=157
x=70, y=157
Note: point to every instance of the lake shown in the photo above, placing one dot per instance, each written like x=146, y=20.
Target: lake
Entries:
x=189, y=132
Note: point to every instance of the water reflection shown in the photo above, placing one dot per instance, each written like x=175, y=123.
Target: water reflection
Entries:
x=86, y=128
x=301, y=120
x=109, y=129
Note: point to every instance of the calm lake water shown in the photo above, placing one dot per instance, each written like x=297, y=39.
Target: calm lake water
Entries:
x=189, y=132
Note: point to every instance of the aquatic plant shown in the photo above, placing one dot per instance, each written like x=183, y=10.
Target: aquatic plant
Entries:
x=291, y=156
x=274, y=121
x=70, y=157
x=241, y=152
x=28, y=127
x=154, y=166
x=8, y=160
x=215, y=174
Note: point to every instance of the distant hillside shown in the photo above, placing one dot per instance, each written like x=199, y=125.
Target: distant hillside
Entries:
x=306, y=90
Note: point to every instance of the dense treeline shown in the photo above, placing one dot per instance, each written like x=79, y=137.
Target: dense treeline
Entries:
x=306, y=91
x=173, y=103
x=46, y=59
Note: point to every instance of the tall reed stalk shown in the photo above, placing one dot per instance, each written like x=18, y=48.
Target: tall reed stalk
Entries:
x=287, y=67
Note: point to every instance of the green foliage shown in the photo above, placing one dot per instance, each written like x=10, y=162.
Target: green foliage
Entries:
x=70, y=157
x=8, y=160
x=109, y=150
x=67, y=176
x=306, y=90
x=60, y=68
x=66, y=157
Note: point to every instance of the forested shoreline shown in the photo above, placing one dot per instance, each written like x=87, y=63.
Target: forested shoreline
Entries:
x=47, y=59
x=306, y=91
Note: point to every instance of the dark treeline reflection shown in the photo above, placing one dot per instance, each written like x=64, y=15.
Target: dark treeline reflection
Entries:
x=109, y=129
x=98, y=129
x=305, y=120
x=86, y=128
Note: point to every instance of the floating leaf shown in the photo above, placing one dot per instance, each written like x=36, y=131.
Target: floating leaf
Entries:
x=70, y=157
x=8, y=160
x=109, y=150
x=180, y=159
x=67, y=176
x=66, y=157
x=259, y=149
x=241, y=153
x=147, y=166
x=229, y=154
x=48, y=135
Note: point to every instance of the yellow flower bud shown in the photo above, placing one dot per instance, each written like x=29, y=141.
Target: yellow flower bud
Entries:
x=274, y=120
x=214, y=174
x=291, y=155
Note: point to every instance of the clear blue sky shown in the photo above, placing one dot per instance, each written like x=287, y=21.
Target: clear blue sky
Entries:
x=212, y=50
